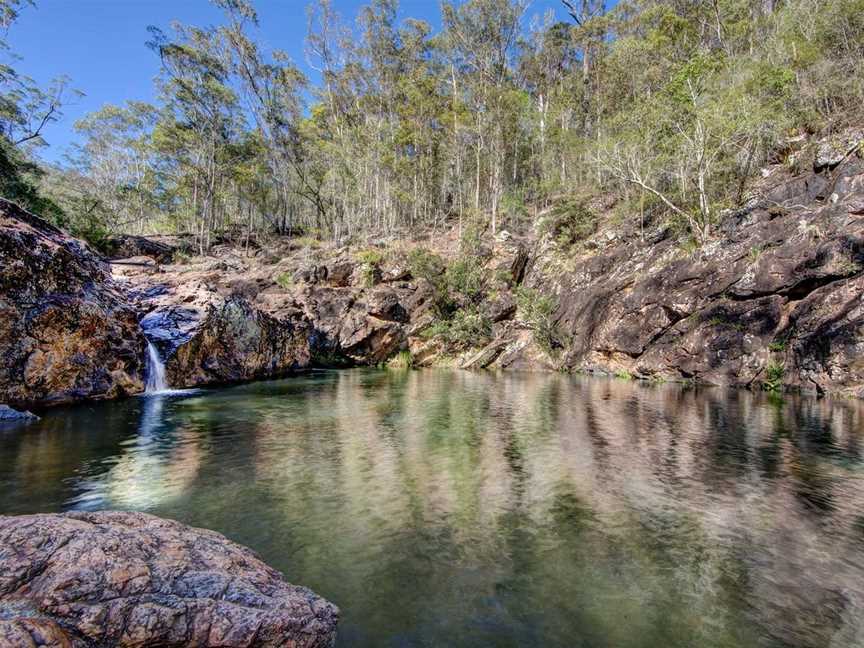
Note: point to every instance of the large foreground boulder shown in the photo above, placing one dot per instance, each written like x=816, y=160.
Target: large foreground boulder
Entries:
x=130, y=579
x=66, y=330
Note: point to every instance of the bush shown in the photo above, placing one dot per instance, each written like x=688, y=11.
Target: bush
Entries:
x=370, y=261
x=569, y=222
x=402, y=360
x=467, y=328
x=465, y=277
x=773, y=377
x=538, y=312
x=370, y=257
x=427, y=265
x=284, y=280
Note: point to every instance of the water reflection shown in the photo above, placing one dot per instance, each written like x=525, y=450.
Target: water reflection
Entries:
x=450, y=508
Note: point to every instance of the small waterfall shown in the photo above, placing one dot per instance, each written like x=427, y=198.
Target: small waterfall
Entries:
x=155, y=371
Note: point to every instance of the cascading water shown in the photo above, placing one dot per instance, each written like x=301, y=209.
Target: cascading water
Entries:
x=155, y=371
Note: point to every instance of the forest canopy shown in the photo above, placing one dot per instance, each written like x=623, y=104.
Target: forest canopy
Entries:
x=669, y=106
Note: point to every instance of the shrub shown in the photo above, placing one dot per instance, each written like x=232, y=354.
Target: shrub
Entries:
x=471, y=241
x=569, y=222
x=402, y=360
x=371, y=257
x=467, y=328
x=370, y=260
x=284, y=280
x=306, y=242
x=181, y=257
x=427, y=265
x=538, y=311
x=773, y=377
x=777, y=346
x=465, y=277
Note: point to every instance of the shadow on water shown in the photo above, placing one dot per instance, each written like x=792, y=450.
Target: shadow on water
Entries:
x=470, y=509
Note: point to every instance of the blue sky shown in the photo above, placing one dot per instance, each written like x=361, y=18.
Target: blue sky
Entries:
x=99, y=44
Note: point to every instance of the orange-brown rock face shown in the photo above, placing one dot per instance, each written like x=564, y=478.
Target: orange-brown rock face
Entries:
x=66, y=330
x=130, y=579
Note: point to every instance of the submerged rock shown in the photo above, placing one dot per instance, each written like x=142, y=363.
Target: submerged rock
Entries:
x=9, y=414
x=130, y=579
x=67, y=332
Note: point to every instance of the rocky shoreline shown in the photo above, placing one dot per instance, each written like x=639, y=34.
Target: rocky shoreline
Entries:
x=774, y=298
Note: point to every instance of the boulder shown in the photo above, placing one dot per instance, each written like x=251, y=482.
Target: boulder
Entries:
x=206, y=338
x=357, y=326
x=130, y=579
x=122, y=247
x=832, y=150
x=67, y=332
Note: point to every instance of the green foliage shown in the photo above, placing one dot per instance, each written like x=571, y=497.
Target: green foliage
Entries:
x=773, y=381
x=181, y=257
x=306, y=242
x=371, y=257
x=470, y=243
x=777, y=346
x=569, y=223
x=424, y=264
x=467, y=328
x=538, y=312
x=671, y=107
x=465, y=277
x=284, y=280
x=755, y=253
x=623, y=374
x=370, y=260
x=722, y=321
x=402, y=360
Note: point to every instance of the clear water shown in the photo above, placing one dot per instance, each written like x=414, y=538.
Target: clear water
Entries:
x=441, y=508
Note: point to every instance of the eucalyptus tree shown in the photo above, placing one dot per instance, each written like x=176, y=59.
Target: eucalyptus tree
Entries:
x=481, y=37
x=199, y=120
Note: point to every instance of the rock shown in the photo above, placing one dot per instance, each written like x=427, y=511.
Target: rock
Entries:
x=205, y=338
x=9, y=414
x=486, y=356
x=778, y=284
x=366, y=275
x=340, y=273
x=823, y=347
x=130, y=579
x=311, y=274
x=832, y=150
x=67, y=332
x=500, y=307
x=358, y=326
x=122, y=247
x=236, y=342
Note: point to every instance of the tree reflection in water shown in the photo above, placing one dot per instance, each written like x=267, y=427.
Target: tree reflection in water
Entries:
x=467, y=509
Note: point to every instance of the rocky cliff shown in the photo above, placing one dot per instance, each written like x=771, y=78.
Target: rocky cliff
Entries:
x=775, y=297
x=67, y=332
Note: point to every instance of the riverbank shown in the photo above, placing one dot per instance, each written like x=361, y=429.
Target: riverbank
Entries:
x=772, y=300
